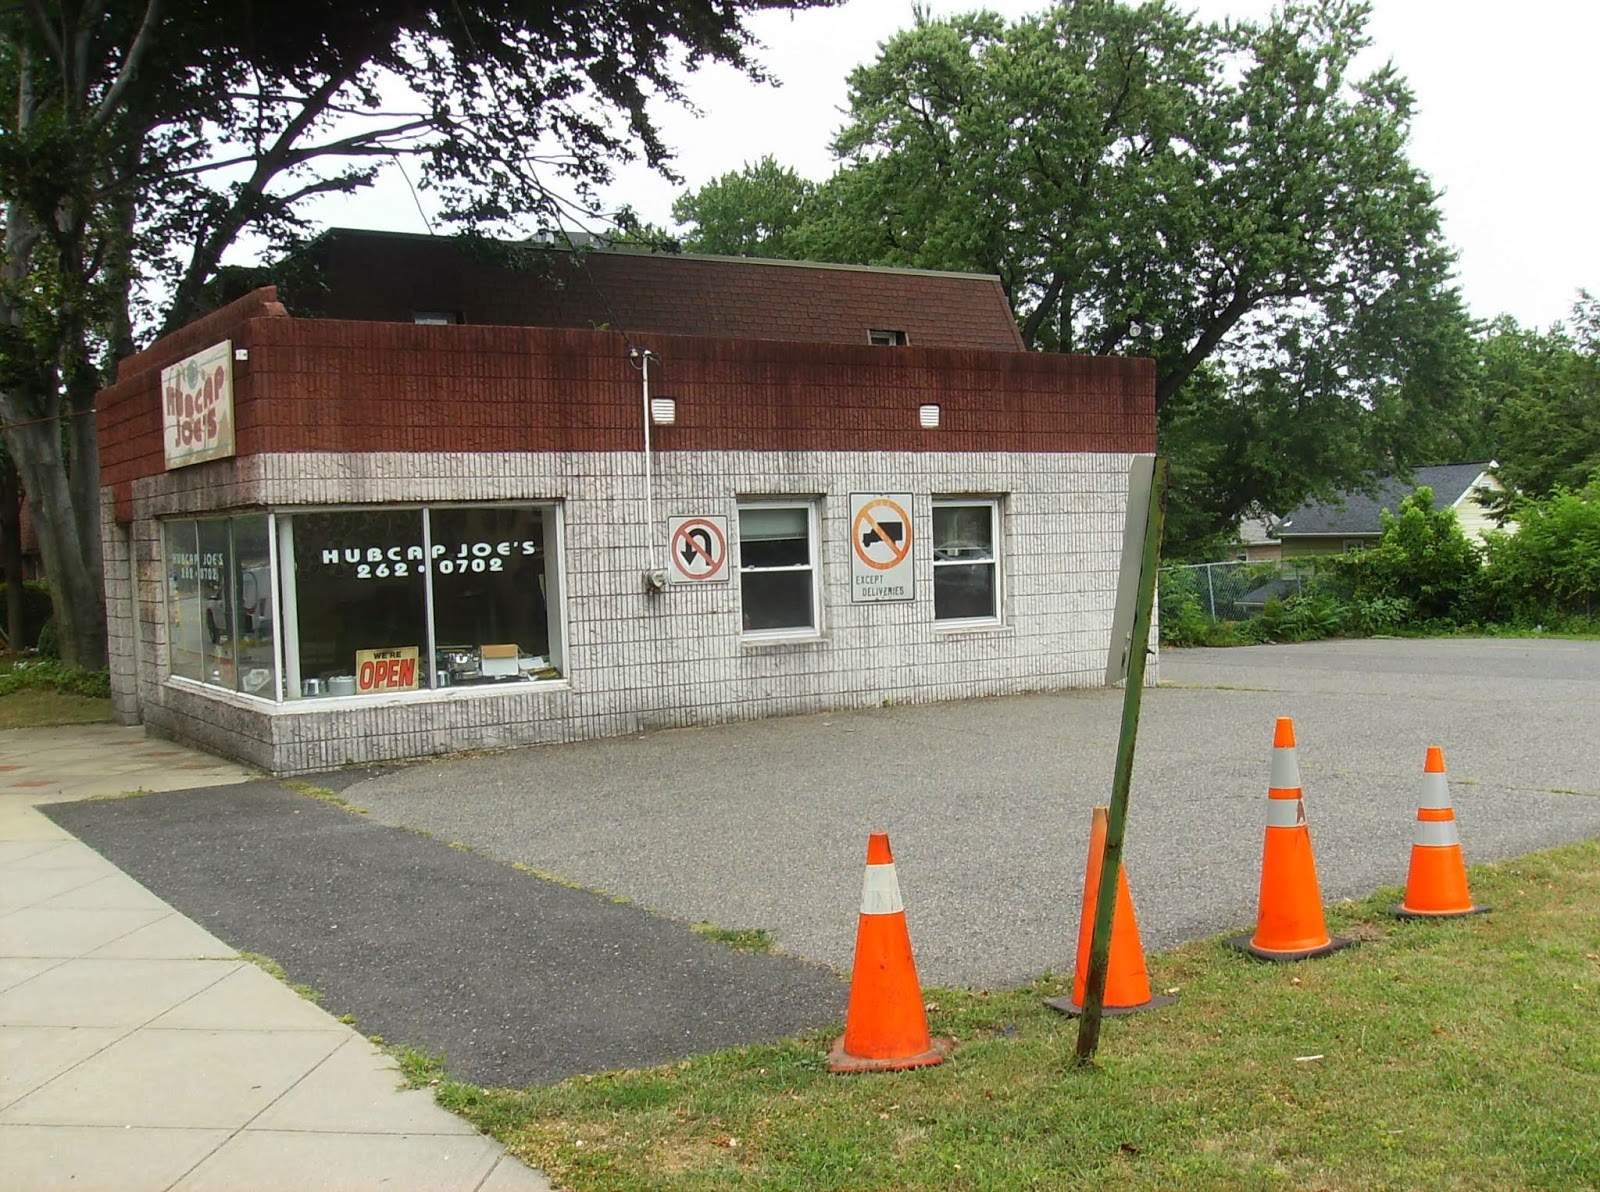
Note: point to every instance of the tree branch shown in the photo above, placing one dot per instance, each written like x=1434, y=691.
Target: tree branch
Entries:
x=130, y=63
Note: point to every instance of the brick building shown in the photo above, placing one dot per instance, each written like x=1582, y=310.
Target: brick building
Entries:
x=428, y=519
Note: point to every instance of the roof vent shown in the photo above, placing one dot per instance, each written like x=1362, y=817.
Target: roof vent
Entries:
x=930, y=417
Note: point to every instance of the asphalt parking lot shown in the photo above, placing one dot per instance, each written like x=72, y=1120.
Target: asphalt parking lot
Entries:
x=764, y=825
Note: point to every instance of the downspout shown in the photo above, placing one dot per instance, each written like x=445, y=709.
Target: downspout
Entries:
x=655, y=579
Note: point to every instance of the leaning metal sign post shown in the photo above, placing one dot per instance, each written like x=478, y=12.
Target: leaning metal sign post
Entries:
x=1094, y=985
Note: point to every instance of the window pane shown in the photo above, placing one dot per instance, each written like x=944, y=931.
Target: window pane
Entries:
x=759, y=524
x=963, y=532
x=964, y=590
x=776, y=600
x=358, y=586
x=775, y=552
x=489, y=590
x=216, y=593
x=253, y=606
x=185, y=625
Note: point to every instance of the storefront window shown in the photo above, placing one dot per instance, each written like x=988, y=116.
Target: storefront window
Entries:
x=364, y=612
x=491, y=615
x=361, y=591
x=216, y=603
x=220, y=623
x=253, y=605
x=185, y=626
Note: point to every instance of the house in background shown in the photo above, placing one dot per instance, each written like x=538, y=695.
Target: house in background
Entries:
x=1352, y=521
x=1256, y=541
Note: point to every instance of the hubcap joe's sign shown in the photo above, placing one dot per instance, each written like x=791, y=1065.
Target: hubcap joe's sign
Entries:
x=197, y=406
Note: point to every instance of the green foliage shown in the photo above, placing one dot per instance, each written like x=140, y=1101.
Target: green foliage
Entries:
x=1550, y=567
x=46, y=674
x=1422, y=557
x=1540, y=402
x=48, y=645
x=754, y=212
x=1296, y=619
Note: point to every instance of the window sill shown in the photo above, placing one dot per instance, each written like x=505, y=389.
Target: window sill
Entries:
x=957, y=628
x=348, y=703
x=782, y=642
x=238, y=699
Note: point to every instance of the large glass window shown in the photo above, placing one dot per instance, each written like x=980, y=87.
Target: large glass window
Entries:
x=252, y=592
x=966, y=561
x=361, y=593
x=393, y=600
x=778, y=568
x=220, y=620
x=372, y=601
x=186, y=628
x=489, y=591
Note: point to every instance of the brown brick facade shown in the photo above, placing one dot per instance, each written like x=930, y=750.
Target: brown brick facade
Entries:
x=323, y=385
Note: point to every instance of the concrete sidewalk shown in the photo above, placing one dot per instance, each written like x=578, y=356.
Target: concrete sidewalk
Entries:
x=138, y=1051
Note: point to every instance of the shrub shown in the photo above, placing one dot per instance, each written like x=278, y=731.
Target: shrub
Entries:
x=1296, y=619
x=1423, y=558
x=1183, y=618
x=46, y=674
x=1550, y=568
x=48, y=646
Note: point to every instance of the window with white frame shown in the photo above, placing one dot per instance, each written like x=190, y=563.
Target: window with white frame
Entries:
x=403, y=598
x=966, y=560
x=221, y=628
x=778, y=568
x=380, y=600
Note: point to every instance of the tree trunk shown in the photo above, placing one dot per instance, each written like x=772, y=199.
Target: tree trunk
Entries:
x=78, y=600
x=11, y=532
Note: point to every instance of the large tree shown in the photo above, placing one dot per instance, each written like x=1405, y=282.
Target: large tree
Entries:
x=145, y=138
x=1538, y=402
x=1233, y=200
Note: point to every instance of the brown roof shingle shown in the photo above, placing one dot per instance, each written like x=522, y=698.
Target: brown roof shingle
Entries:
x=390, y=277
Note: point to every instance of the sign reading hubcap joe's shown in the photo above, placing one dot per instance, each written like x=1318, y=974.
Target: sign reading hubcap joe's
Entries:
x=197, y=406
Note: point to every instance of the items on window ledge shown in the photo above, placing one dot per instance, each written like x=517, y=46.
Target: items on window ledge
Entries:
x=387, y=671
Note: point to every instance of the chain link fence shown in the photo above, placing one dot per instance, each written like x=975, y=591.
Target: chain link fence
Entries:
x=1233, y=591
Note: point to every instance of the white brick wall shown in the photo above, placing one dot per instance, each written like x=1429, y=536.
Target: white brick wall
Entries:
x=639, y=660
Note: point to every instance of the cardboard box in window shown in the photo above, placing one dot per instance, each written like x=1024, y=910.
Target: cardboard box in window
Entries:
x=500, y=662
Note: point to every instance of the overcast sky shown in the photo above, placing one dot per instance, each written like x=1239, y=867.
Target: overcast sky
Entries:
x=1506, y=126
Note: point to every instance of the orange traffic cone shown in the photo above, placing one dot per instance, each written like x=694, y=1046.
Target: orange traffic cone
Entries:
x=886, y=1027
x=1289, y=922
x=1436, y=887
x=1127, y=980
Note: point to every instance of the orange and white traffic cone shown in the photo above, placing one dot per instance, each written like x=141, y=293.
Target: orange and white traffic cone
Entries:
x=1127, y=979
x=886, y=1026
x=1289, y=922
x=1436, y=886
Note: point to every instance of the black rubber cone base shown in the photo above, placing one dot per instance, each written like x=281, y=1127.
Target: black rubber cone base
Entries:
x=1065, y=1005
x=1400, y=912
x=1242, y=942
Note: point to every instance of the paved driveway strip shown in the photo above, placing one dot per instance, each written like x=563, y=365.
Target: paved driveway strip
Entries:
x=764, y=824
x=517, y=980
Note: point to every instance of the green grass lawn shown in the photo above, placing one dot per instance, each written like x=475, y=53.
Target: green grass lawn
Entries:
x=1460, y=1054
x=40, y=707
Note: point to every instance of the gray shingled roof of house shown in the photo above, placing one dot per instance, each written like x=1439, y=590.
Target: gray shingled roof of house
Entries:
x=1357, y=513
